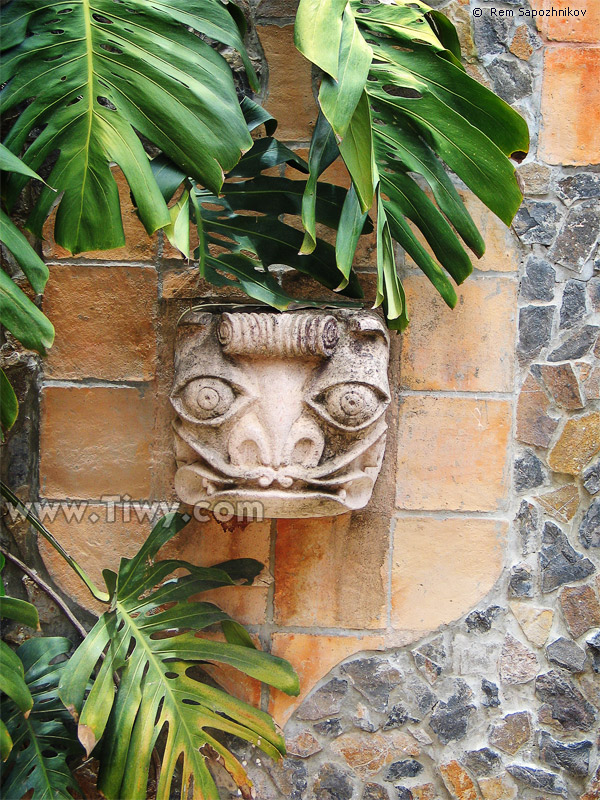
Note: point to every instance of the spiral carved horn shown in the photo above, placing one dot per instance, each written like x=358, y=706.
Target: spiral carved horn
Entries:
x=289, y=336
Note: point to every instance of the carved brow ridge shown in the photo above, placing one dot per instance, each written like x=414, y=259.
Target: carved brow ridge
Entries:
x=291, y=336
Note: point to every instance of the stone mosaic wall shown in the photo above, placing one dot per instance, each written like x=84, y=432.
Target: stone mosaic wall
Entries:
x=447, y=638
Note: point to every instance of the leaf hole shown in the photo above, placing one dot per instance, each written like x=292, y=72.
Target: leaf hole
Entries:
x=57, y=32
x=213, y=206
x=364, y=10
x=402, y=91
x=420, y=41
x=171, y=675
x=101, y=19
x=65, y=11
x=189, y=702
x=105, y=103
x=110, y=48
x=53, y=58
x=75, y=100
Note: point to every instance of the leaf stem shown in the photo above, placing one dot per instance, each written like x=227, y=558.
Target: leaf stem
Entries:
x=99, y=595
x=49, y=591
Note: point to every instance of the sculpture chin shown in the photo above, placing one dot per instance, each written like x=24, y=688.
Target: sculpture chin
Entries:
x=280, y=415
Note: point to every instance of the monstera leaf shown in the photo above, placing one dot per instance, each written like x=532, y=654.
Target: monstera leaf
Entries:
x=150, y=638
x=12, y=675
x=17, y=312
x=44, y=736
x=399, y=106
x=91, y=77
x=248, y=227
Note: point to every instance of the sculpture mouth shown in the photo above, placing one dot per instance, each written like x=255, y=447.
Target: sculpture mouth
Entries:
x=197, y=484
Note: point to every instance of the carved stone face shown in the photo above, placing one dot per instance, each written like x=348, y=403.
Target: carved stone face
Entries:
x=284, y=409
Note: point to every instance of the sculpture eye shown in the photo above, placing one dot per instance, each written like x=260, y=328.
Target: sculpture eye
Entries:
x=351, y=404
x=208, y=398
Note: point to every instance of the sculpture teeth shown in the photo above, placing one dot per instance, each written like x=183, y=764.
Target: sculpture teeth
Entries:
x=265, y=481
x=210, y=487
x=342, y=494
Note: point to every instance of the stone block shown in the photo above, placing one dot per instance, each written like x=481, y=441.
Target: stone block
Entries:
x=96, y=441
x=576, y=27
x=308, y=552
x=571, y=106
x=534, y=622
x=534, y=424
x=511, y=732
x=574, y=245
x=290, y=98
x=580, y=608
x=458, y=781
x=535, y=330
x=430, y=585
x=566, y=654
x=562, y=504
x=501, y=787
x=563, y=385
x=483, y=322
x=518, y=664
x=104, y=322
x=577, y=444
x=453, y=453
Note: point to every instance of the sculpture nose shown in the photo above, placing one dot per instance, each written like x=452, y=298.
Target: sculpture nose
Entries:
x=255, y=442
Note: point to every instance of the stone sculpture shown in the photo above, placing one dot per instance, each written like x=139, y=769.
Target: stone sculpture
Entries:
x=284, y=409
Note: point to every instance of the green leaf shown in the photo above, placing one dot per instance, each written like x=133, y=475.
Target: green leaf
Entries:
x=153, y=649
x=256, y=115
x=389, y=288
x=44, y=740
x=264, y=238
x=265, y=154
x=12, y=679
x=19, y=610
x=96, y=76
x=178, y=230
x=318, y=32
x=9, y=162
x=23, y=318
x=357, y=151
x=241, y=272
x=32, y=265
x=351, y=226
x=406, y=198
x=420, y=113
x=323, y=152
x=339, y=98
x=9, y=405
x=6, y=743
x=402, y=144
x=446, y=34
